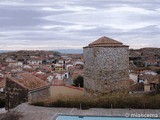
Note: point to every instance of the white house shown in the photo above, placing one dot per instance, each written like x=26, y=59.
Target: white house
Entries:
x=79, y=63
x=69, y=66
x=9, y=60
x=149, y=72
x=19, y=64
x=27, y=67
x=61, y=76
x=150, y=62
x=15, y=64
x=134, y=77
x=61, y=62
x=1, y=75
x=50, y=78
x=35, y=61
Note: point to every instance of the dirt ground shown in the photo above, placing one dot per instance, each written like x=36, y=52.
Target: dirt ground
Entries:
x=61, y=92
x=30, y=112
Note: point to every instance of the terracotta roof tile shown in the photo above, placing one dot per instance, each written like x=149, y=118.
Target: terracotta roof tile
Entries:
x=28, y=81
x=106, y=41
x=151, y=61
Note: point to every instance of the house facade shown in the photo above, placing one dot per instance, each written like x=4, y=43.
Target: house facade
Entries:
x=150, y=62
x=150, y=82
x=15, y=94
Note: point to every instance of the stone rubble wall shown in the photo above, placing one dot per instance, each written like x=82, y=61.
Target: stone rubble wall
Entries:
x=106, y=69
x=39, y=95
x=15, y=94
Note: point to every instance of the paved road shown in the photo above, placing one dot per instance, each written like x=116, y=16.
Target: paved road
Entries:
x=2, y=110
x=30, y=112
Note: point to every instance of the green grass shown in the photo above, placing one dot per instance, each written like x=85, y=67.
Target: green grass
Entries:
x=114, y=100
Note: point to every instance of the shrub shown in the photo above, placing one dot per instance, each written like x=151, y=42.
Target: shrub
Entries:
x=39, y=104
x=158, y=88
x=158, y=71
x=2, y=103
x=78, y=82
x=116, y=101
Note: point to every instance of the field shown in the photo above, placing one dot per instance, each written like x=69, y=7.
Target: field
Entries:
x=63, y=92
x=68, y=97
x=63, y=96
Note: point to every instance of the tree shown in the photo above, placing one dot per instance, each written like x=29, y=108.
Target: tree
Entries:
x=158, y=88
x=78, y=82
x=158, y=71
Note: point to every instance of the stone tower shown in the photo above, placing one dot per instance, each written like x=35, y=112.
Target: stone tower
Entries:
x=106, y=67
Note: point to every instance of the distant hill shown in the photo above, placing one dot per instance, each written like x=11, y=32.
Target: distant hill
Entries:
x=4, y=51
x=70, y=51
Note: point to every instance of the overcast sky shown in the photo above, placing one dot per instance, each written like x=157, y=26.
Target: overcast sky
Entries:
x=73, y=24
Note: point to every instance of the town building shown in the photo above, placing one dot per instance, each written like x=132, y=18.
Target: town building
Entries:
x=151, y=63
x=58, y=67
x=79, y=65
x=35, y=61
x=106, y=66
x=151, y=82
x=25, y=87
x=2, y=84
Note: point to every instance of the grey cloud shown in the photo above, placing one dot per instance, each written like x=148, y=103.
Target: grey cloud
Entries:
x=76, y=23
x=26, y=16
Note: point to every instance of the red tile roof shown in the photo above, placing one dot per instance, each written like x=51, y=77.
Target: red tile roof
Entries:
x=57, y=82
x=151, y=61
x=106, y=41
x=42, y=76
x=28, y=81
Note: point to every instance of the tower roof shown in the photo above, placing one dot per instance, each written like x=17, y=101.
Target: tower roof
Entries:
x=106, y=41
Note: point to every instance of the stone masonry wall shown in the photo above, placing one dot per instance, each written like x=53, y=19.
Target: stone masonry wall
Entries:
x=106, y=69
x=15, y=94
x=39, y=95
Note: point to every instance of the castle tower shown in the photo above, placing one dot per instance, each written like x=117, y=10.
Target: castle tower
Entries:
x=106, y=67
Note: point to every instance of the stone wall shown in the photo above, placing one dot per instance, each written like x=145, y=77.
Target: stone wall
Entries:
x=15, y=94
x=106, y=69
x=39, y=94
